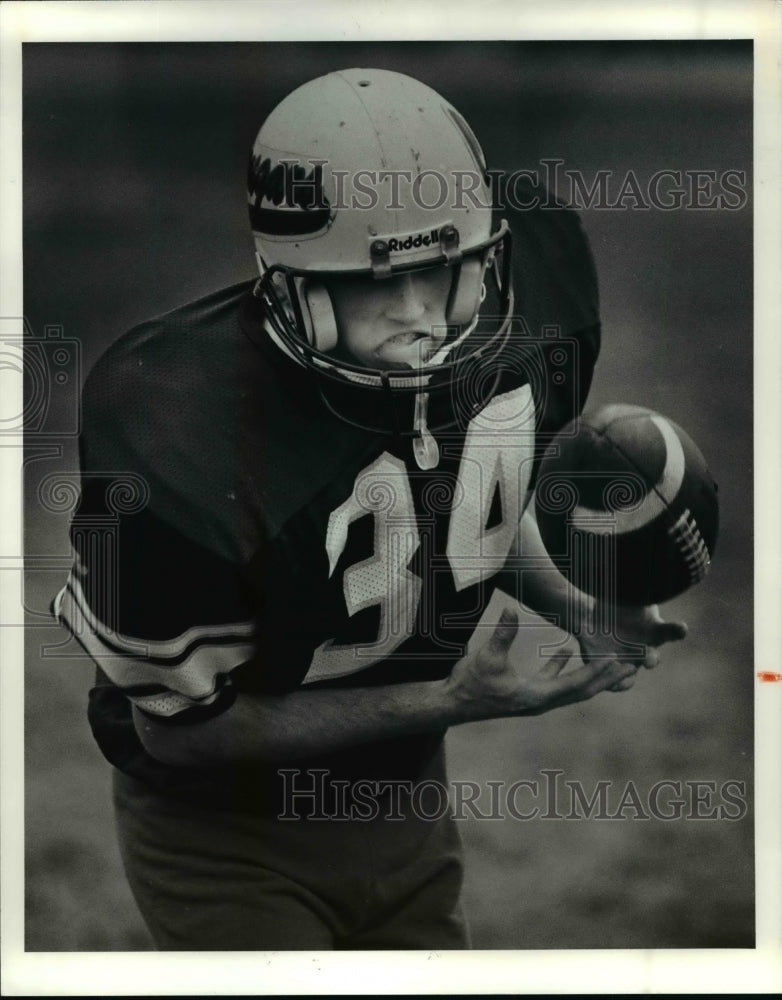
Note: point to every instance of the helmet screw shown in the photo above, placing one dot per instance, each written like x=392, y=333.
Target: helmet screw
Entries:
x=449, y=235
x=379, y=248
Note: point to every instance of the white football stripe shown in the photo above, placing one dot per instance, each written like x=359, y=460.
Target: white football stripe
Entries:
x=656, y=500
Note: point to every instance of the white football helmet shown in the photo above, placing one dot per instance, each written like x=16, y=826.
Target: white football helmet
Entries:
x=370, y=172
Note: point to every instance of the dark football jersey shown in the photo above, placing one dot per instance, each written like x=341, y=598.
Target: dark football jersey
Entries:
x=234, y=535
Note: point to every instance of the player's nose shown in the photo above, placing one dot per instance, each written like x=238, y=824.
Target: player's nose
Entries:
x=406, y=301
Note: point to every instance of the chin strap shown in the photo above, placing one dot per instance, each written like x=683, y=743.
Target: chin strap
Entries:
x=425, y=447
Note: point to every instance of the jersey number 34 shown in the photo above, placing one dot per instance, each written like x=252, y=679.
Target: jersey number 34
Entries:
x=496, y=459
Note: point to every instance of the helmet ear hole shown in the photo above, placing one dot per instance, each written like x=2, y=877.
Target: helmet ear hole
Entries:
x=318, y=314
x=466, y=293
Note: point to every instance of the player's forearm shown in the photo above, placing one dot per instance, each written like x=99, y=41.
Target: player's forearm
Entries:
x=483, y=684
x=304, y=723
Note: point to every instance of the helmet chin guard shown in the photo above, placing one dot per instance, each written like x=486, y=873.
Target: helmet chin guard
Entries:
x=366, y=172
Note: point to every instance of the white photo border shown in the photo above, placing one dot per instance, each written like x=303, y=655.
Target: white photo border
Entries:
x=721, y=971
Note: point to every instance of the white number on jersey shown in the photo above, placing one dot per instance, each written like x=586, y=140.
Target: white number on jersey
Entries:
x=496, y=462
x=382, y=490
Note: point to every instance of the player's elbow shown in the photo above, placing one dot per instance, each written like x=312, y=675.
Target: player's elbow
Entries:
x=166, y=743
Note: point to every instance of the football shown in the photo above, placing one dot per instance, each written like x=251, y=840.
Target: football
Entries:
x=626, y=506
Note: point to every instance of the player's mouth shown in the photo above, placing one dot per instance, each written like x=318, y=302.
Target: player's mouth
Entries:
x=409, y=348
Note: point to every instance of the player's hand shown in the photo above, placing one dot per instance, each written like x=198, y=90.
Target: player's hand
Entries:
x=634, y=635
x=488, y=684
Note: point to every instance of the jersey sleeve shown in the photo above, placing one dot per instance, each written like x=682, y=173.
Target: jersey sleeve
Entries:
x=154, y=597
x=164, y=619
x=557, y=297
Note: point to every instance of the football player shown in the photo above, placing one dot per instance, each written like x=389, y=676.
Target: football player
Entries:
x=298, y=498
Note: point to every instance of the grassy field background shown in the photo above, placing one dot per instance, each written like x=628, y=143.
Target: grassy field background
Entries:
x=134, y=160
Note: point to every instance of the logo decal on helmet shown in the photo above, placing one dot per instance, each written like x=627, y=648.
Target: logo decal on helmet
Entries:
x=445, y=237
x=413, y=241
x=300, y=204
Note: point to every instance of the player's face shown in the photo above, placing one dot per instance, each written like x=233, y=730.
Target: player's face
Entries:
x=392, y=323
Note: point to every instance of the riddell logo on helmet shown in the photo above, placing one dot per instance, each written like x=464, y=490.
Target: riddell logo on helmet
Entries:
x=414, y=241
